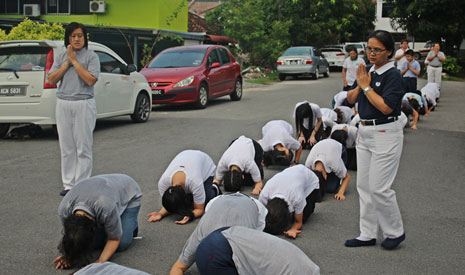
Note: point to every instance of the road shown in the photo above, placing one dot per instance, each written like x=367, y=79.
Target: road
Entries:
x=429, y=185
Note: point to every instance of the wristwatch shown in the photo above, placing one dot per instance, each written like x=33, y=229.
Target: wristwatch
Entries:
x=365, y=91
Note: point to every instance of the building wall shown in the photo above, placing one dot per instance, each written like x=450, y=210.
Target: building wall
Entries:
x=384, y=23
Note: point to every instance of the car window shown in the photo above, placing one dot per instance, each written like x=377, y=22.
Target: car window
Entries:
x=213, y=57
x=178, y=58
x=297, y=51
x=109, y=64
x=331, y=50
x=23, y=58
x=224, y=56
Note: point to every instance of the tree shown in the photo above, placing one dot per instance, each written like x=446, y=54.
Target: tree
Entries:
x=432, y=20
x=30, y=30
x=265, y=28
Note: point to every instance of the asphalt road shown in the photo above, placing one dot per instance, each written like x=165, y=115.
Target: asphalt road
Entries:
x=429, y=185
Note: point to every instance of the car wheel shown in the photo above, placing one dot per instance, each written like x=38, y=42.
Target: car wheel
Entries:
x=4, y=127
x=327, y=73
x=202, y=98
x=142, y=109
x=417, y=56
x=316, y=74
x=282, y=77
x=236, y=95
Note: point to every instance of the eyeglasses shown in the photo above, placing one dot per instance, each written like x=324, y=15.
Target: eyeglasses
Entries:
x=375, y=51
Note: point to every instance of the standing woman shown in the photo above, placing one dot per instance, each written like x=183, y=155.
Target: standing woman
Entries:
x=349, y=68
x=379, y=93
x=77, y=69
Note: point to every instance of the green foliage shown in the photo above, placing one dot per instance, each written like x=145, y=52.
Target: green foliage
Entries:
x=3, y=35
x=265, y=28
x=451, y=66
x=146, y=55
x=30, y=30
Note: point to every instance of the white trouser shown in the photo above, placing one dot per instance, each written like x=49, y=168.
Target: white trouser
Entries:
x=75, y=124
x=434, y=74
x=378, y=154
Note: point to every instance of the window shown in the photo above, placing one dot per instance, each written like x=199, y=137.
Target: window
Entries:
x=23, y=58
x=58, y=6
x=212, y=57
x=108, y=64
x=387, y=9
x=224, y=56
x=10, y=6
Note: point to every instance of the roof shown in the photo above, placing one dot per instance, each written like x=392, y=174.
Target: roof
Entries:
x=220, y=39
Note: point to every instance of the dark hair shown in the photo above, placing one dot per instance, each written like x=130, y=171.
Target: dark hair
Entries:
x=277, y=157
x=340, y=135
x=279, y=218
x=409, y=52
x=78, y=237
x=232, y=180
x=346, y=103
x=301, y=112
x=385, y=38
x=340, y=115
x=175, y=200
x=71, y=28
x=403, y=40
x=414, y=103
x=322, y=181
x=352, y=49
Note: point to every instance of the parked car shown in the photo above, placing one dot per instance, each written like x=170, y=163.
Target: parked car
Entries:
x=304, y=60
x=26, y=97
x=334, y=56
x=193, y=74
x=361, y=47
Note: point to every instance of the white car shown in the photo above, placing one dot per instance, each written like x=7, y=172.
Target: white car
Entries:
x=334, y=56
x=26, y=97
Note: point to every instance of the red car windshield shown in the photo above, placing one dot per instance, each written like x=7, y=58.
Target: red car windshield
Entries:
x=178, y=58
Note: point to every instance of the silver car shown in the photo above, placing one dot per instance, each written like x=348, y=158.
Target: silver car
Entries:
x=305, y=60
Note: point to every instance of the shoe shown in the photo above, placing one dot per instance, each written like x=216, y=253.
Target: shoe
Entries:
x=136, y=232
x=390, y=243
x=357, y=243
x=64, y=192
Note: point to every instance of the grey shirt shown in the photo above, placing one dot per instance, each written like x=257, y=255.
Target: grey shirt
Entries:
x=435, y=62
x=255, y=252
x=228, y=210
x=108, y=268
x=71, y=86
x=104, y=197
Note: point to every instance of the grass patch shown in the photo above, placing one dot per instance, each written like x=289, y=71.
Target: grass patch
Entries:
x=269, y=78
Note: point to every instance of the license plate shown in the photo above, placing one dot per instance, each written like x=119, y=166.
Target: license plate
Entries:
x=12, y=91
x=157, y=92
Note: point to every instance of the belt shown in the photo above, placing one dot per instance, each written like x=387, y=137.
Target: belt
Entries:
x=371, y=122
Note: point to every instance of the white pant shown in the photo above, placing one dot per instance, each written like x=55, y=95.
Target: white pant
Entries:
x=378, y=153
x=75, y=124
x=434, y=74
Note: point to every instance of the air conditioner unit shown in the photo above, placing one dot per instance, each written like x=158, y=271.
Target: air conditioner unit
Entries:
x=97, y=6
x=31, y=10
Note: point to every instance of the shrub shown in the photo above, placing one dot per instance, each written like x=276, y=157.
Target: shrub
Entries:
x=30, y=30
x=451, y=66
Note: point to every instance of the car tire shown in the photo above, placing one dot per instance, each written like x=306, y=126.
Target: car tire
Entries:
x=282, y=77
x=4, y=127
x=417, y=56
x=202, y=97
x=236, y=95
x=141, y=109
x=327, y=73
x=316, y=74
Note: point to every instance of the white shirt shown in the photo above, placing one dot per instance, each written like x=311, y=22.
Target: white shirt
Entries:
x=329, y=117
x=329, y=152
x=347, y=113
x=417, y=97
x=197, y=166
x=400, y=62
x=278, y=132
x=241, y=153
x=352, y=132
x=351, y=69
x=293, y=185
x=431, y=91
x=339, y=98
x=355, y=120
x=315, y=110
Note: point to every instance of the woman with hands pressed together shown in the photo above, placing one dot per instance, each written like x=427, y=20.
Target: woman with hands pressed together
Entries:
x=378, y=91
x=77, y=69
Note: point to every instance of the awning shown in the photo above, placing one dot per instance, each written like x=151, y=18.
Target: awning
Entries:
x=220, y=39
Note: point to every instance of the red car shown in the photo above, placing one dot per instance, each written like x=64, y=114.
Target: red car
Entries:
x=193, y=74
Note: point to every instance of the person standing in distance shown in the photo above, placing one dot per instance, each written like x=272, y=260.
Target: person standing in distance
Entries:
x=435, y=58
x=379, y=93
x=349, y=68
x=400, y=56
x=77, y=69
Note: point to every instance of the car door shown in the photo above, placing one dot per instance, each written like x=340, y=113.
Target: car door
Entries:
x=116, y=87
x=214, y=75
x=227, y=73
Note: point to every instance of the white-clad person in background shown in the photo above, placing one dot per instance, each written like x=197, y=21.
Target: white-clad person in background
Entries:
x=290, y=195
x=400, y=54
x=241, y=164
x=186, y=186
x=77, y=69
x=223, y=210
x=278, y=144
x=308, y=123
x=241, y=250
x=431, y=93
x=435, y=60
x=379, y=93
x=349, y=68
x=352, y=133
x=347, y=113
